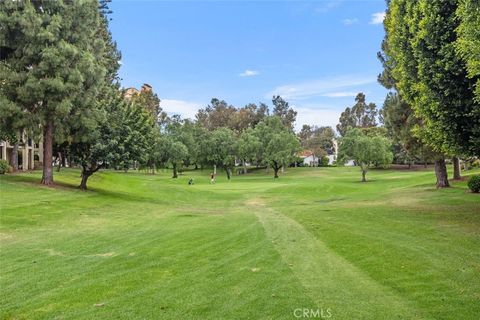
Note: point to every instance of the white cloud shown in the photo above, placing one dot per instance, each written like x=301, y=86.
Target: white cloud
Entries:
x=340, y=94
x=326, y=6
x=349, y=22
x=377, y=18
x=186, y=109
x=320, y=116
x=318, y=88
x=249, y=73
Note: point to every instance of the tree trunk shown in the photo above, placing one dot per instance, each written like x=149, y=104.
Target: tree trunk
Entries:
x=85, y=176
x=60, y=159
x=47, y=176
x=228, y=173
x=215, y=169
x=441, y=173
x=175, y=173
x=244, y=167
x=14, y=158
x=275, y=170
x=456, y=168
x=364, y=173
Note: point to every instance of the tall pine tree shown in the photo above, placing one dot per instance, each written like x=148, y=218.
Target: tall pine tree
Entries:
x=54, y=51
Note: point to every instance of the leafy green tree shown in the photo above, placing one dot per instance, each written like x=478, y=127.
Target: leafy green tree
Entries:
x=154, y=153
x=468, y=41
x=429, y=74
x=98, y=143
x=174, y=152
x=179, y=133
x=219, y=114
x=361, y=115
x=304, y=134
x=199, y=152
x=221, y=149
x=365, y=150
x=247, y=147
x=249, y=116
x=150, y=101
x=278, y=144
x=282, y=109
x=400, y=122
x=57, y=60
x=119, y=136
x=319, y=140
x=137, y=131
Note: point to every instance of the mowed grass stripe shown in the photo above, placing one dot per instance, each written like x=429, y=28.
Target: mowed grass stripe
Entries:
x=152, y=247
x=331, y=281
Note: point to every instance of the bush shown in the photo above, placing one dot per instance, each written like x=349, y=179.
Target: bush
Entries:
x=4, y=166
x=324, y=162
x=474, y=184
x=475, y=163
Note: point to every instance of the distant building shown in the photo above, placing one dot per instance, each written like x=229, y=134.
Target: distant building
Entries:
x=129, y=92
x=30, y=154
x=309, y=159
x=146, y=87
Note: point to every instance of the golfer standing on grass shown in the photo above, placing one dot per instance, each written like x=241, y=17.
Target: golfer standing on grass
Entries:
x=212, y=178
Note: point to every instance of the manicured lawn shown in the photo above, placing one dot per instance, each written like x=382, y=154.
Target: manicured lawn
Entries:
x=139, y=246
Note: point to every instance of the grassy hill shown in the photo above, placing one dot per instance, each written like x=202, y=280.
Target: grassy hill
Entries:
x=139, y=246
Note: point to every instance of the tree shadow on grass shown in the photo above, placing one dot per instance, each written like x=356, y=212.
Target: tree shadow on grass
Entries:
x=365, y=182
x=35, y=181
x=125, y=196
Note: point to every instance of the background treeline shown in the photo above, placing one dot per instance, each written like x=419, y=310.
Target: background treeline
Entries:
x=59, y=81
x=431, y=61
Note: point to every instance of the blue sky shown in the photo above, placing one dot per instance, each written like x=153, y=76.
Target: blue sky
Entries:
x=315, y=54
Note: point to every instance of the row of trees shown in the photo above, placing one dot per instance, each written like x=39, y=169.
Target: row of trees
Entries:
x=59, y=81
x=431, y=62
x=430, y=57
x=184, y=143
x=57, y=72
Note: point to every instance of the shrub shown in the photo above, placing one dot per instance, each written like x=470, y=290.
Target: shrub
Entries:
x=323, y=162
x=4, y=166
x=475, y=163
x=474, y=184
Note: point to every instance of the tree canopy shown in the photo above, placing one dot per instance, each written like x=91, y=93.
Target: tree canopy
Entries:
x=365, y=150
x=360, y=115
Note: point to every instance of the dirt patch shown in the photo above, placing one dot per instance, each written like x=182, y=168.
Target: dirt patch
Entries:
x=53, y=252
x=106, y=254
x=255, y=202
x=5, y=236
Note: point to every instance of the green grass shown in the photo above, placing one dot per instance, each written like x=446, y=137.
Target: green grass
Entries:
x=139, y=246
